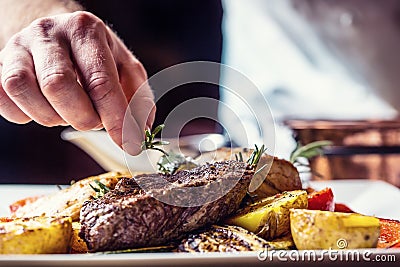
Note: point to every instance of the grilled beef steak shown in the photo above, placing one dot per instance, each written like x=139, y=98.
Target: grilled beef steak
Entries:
x=127, y=217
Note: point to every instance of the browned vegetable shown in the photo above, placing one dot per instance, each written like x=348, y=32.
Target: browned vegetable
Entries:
x=282, y=176
x=223, y=239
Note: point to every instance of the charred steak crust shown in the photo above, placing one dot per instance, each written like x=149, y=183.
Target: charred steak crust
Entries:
x=127, y=217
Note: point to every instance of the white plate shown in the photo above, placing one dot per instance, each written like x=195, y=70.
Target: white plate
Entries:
x=368, y=197
x=282, y=258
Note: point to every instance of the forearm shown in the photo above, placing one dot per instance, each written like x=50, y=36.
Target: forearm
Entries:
x=17, y=14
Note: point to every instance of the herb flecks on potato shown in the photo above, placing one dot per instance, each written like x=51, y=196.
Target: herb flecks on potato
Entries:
x=37, y=235
x=315, y=229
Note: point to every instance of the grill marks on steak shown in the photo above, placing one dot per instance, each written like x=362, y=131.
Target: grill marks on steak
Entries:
x=127, y=217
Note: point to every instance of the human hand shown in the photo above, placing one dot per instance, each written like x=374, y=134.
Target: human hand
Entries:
x=71, y=69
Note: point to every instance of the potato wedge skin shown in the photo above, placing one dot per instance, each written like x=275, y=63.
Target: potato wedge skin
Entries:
x=282, y=243
x=36, y=235
x=269, y=218
x=78, y=245
x=67, y=202
x=315, y=229
x=282, y=176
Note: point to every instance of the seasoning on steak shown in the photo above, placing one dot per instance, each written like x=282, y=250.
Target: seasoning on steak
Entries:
x=127, y=217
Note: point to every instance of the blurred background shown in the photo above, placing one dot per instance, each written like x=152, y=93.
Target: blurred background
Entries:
x=328, y=69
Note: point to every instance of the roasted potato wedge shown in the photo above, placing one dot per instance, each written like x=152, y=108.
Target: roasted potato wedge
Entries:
x=36, y=235
x=269, y=218
x=282, y=243
x=282, y=176
x=78, y=245
x=315, y=229
x=67, y=202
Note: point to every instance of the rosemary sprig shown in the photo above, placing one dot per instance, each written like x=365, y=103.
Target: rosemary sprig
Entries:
x=308, y=151
x=240, y=157
x=254, y=158
x=100, y=189
x=301, y=154
x=252, y=163
x=149, y=142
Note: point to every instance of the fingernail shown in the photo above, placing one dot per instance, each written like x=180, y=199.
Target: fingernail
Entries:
x=98, y=127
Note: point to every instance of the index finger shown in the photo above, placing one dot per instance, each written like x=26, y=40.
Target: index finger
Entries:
x=98, y=72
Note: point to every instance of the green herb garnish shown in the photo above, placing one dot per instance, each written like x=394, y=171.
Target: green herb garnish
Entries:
x=308, y=151
x=301, y=154
x=240, y=157
x=100, y=189
x=255, y=156
x=149, y=142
